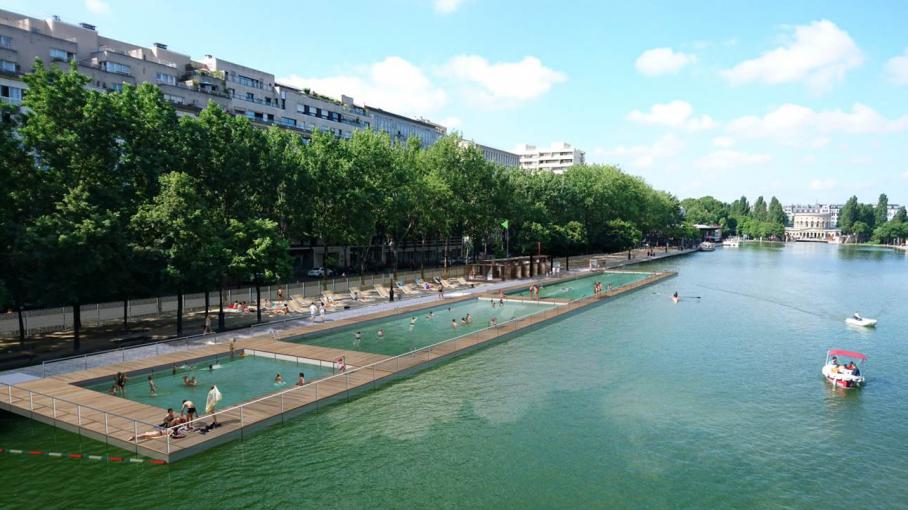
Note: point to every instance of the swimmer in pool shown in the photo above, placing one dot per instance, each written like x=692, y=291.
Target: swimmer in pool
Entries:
x=302, y=380
x=469, y=319
x=381, y=333
x=412, y=320
x=358, y=336
x=152, y=387
x=453, y=324
x=278, y=379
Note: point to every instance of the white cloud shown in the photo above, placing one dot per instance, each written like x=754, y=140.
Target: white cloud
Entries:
x=822, y=184
x=392, y=84
x=726, y=159
x=447, y=6
x=658, y=61
x=642, y=156
x=97, y=6
x=723, y=141
x=798, y=125
x=452, y=122
x=820, y=54
x=502, y=84
x=905, y=176
x=897, y=68
x=676, y=114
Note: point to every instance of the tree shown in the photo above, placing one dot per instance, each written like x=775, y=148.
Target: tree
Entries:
x=176, y=229
x=900, y=215
x=848, y=215
x=776, y=214
x=623, y=235
x=760, y=212
x=881, y=211
x=258, y=254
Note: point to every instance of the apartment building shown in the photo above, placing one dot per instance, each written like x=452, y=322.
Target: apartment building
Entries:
x=189, y=84
x=498, y=156
x=556, y=158
x=401, y=128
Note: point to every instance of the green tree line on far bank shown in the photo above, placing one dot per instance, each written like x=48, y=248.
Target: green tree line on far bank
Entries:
x=867, y=222
x=757, y=221
x=111, y=196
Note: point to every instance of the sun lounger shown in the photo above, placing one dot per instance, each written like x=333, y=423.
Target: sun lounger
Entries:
x=362, y=295
x=464, y=282
x=382, y=290
x=407, y=290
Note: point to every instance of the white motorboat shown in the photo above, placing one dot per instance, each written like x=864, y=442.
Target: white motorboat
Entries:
x=731, y=242
x=843, y=375
x=707, y=246
x=862, y=322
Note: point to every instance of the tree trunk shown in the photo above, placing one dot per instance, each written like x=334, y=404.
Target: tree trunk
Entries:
x=77, y=327
x=207, y=303
x=180, y=312
x=221, y=307
x=258, y=300
x=21, y=327
x=325, y=264
x=126, y=315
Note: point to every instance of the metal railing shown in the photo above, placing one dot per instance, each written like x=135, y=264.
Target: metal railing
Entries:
x=57, y=408
x=97, y=314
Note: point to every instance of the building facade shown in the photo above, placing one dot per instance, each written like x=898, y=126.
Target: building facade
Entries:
x=400, y=128
x=493, y=155
x=556, y=158
x=188, y=84
x=812, y=226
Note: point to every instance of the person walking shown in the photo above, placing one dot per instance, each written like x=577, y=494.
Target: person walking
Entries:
x=322, y=311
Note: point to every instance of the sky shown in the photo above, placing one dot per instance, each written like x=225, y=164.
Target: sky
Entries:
x=806, y=100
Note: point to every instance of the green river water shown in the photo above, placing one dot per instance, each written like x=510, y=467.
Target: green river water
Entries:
x=714, y=402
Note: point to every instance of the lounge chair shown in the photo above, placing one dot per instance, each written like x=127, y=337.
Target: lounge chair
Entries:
x=464, y=282
x=382, y=290
x=361, y=295
x=406, y=290
x=415, y=289
x=448, y=285
x=333, y=299
x=424, y=285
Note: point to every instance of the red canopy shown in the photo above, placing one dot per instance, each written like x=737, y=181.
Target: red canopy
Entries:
x=850, y=354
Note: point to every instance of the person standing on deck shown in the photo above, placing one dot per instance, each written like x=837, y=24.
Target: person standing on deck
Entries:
x=214, y=396
x=313, y=310
x=322, y=311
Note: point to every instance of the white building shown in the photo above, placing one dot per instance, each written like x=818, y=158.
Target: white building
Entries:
x=812, y=226
x=557, y=158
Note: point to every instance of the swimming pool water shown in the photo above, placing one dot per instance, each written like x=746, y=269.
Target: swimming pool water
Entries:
x=242, y=379
x=583, y=287
x=401, y=337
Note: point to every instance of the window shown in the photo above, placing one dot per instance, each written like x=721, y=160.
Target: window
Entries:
x=114, y=67
x=173, y=99
x=287, y=121
x=117, y=87
x=58, y=54
x=165, y=78
x=249, y=82
x=12, y=94
x=250, y=96
x=6, y=41
x=7, y=66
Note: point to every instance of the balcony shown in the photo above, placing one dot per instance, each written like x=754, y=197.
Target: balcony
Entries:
x=257, y=100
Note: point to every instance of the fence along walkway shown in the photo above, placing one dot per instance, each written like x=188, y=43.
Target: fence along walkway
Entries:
x=96, y=314
x=112, y=419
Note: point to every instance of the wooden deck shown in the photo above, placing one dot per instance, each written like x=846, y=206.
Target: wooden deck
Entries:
x=61, y=402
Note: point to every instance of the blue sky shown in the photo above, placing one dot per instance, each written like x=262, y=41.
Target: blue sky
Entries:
x=803, y=100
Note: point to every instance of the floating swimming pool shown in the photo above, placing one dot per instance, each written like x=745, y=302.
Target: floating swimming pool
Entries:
x=242, y=379
x=400, y=336
x=583, y=287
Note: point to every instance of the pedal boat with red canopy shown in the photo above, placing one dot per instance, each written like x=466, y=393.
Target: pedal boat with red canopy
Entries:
x=835, y=371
